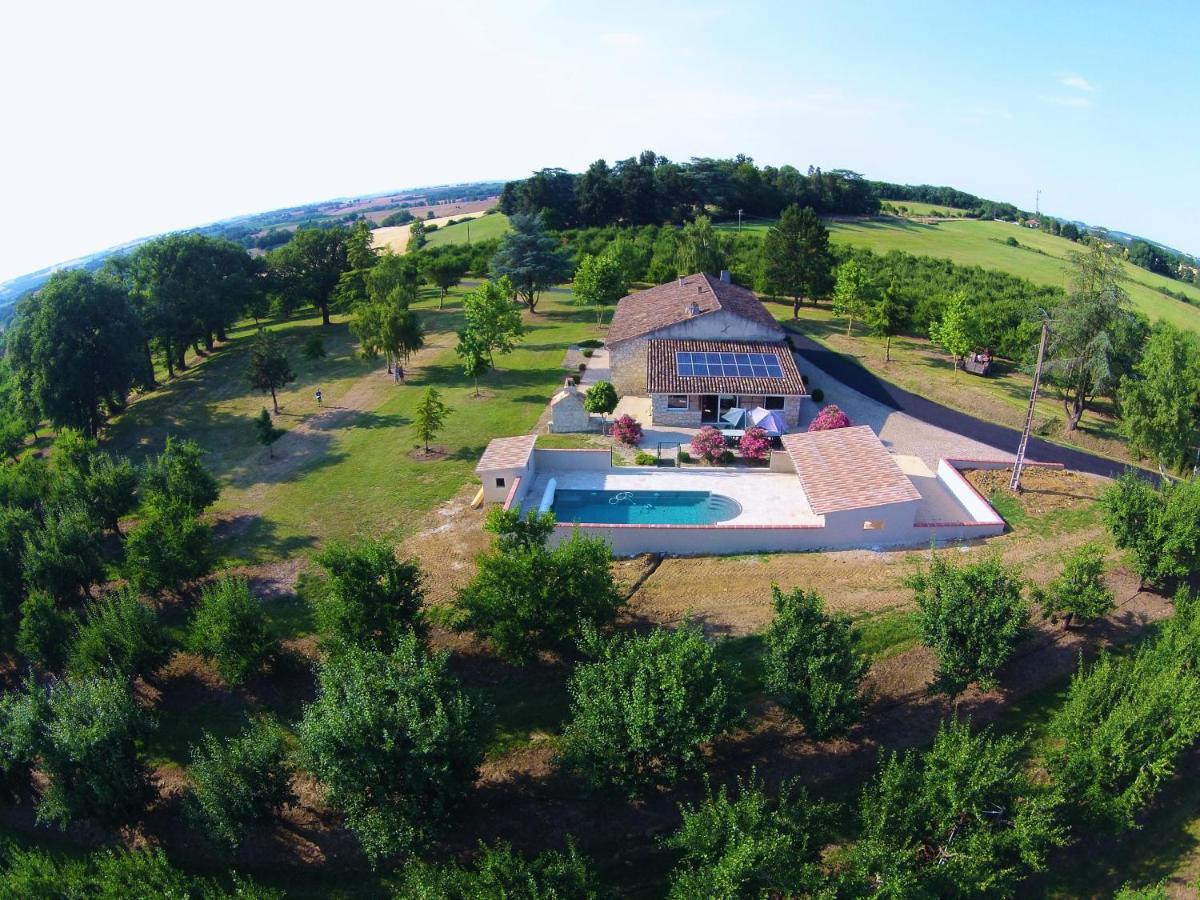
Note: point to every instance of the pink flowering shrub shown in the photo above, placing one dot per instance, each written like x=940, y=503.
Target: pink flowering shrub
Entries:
x=829, y=418
x=626, y=430
x=754, y=444
x=709, y=445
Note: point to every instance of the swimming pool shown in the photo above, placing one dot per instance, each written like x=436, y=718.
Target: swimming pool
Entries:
x=644, y=507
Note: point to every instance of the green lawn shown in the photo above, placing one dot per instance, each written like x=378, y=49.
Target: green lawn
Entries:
x=480, y=230
x=356, y=477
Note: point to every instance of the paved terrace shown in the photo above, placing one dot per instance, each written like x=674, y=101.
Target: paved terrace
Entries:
x=766, y=498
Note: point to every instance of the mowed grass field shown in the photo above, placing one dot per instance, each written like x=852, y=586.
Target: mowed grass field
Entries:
x=480, y=230
x=917, y=208
x=350, y=471
x=1042, y=258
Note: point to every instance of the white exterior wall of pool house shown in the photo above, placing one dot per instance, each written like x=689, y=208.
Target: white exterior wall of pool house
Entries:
x=776, y=516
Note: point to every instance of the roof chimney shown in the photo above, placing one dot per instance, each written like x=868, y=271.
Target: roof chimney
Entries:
x=681, y=281
x=725, y=276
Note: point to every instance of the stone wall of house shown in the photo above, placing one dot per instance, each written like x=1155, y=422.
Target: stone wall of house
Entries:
x=677, y=418
x=627, y=364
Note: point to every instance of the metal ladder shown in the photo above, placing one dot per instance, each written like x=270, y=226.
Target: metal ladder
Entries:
x=1015, y=484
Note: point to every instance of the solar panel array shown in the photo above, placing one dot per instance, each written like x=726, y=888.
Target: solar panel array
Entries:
x=746, y=365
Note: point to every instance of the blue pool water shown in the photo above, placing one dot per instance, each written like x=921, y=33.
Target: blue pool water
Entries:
x=644, y=507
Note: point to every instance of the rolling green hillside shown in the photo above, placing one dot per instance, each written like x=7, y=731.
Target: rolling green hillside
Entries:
x=1042, y=258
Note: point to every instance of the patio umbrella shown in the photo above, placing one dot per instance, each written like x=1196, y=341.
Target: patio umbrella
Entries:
x=734, y=417
x=770, y=422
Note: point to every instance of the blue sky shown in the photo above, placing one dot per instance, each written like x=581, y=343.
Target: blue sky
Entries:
x=124, y=119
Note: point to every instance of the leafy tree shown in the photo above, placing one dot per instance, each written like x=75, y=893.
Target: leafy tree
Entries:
x=526, y=597
x=601, y=398
x=119, y=635
x=1151, y=892
x=599, y=283
x=430, y=416
x=62, y=556
x=104, y=484
x=491, y=325
x=14, y=524
x=88, y=753
x=416, y=236
x=1160, y=401
x=514, y=532
x=269, y=368
x=265, y=431
x=111, y=874
x=43, y=633
x=1095, y=337
x=394, y=741
x=13, y=431
x=230, y=628
x=501, y=872
x=530, y=258
x=1079, y=592
x=796, y=258
x=373, y=598
x=444, y=271
x=972, y=616
x=361, y=257
x=237, y=783
x=888, y=316
x=700, y=248
x=642, y=711
x=168, y=547
x=959, y=820
x=750, y=845
x=308, y=267
x=474, y=358
x=1123, y=726
x=22, y=713
x=76, y=344
x=1160, y=526
x=813, y=663
x=953, y=331
x=854, y=293
x=178, y=475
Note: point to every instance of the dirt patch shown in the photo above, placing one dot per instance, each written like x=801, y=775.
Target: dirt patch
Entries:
x=433, y=454
x=1042, y=490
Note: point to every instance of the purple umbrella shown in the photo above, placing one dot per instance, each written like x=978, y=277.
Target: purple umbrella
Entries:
x=770, y=422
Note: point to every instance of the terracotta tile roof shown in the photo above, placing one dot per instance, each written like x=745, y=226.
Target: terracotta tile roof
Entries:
x=507, y=453
x=847, y=468
x=663, y=378
x=666, y=304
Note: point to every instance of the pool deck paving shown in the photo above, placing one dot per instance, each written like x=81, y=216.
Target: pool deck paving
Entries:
x=766, y=498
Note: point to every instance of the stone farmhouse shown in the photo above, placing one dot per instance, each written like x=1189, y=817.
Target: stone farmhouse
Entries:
x=700, y=346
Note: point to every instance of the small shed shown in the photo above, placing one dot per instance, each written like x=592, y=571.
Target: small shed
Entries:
x=567, y=412
x=503, y=462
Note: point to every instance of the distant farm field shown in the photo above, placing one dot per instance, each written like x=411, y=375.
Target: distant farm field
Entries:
x=480, y=229
x=917, y=208
x=1042, y=258
x=395, y=237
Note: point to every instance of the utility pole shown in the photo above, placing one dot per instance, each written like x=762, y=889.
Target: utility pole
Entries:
x=1015, y=484
x=1037, y=205
x=739, y=221
x=468, y=231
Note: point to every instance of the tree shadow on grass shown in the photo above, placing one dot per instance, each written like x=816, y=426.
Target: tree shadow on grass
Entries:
x=253, y=539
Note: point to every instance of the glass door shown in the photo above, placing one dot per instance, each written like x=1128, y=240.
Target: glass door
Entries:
x=708, y=408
